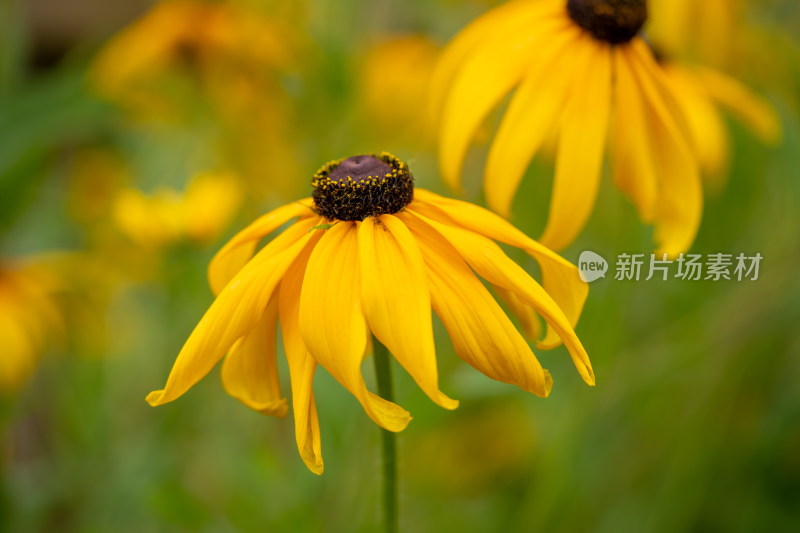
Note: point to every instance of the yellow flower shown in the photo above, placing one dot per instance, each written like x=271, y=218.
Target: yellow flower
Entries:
x=29, y=320
x=702, y=94
x=200, y=214
x=217, y=66
x=218, y=44
x=580, y=68
x=368, y=253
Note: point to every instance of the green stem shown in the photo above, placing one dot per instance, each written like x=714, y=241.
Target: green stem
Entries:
x=383, y=371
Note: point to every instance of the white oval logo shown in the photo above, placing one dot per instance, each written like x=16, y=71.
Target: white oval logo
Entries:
x=592, y=266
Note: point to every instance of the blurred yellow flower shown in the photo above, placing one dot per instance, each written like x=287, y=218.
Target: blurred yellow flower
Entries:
x=213, y=43
x=29, y=320
x=218, y=66
x=702, y=94
x=561, y=55
x=395, y=79
x=200, y=214
x=366, y=254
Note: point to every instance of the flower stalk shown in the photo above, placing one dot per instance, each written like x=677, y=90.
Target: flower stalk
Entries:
x=383, y=373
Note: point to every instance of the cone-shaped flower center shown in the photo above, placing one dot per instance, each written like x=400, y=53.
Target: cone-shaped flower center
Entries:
x=614, y=21
x=362, y=186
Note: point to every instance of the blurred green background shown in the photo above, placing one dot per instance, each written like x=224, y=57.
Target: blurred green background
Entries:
x=694, y=424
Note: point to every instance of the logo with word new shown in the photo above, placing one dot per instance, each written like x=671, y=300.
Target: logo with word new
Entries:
x=592, y=266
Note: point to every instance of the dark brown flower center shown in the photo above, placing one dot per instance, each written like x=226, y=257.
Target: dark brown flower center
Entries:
x=614, y=21
x=362, y=186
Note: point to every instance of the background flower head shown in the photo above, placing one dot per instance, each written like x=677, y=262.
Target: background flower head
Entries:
x=214, y=73
x=560, y=56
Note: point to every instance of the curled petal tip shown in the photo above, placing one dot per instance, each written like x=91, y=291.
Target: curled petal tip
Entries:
x=154, y=398
x=447, y=402
x=314, y=464
x=399, y=425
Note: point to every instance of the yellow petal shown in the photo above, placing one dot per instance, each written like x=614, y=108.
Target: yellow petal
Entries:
x=488, y=75
x=396, y=300
x=482, y=334
x=680, y=203
x=707, y=130
x=579, y=164
x=560, y=278
x=232, y=257
x=631, y=146
x=332, y=321
x=488, y=261
x=250, y=371
x=234, y=313
x=754, y=111
x=301, y=365
x=465, y=42
x=534, y=109
x=529, y=320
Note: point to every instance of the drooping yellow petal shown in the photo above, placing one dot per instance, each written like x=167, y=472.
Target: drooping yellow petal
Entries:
x=488, y=75
x=631, y=147
x=332, y=321
x=534, y=109
x=491, y=263
x=753, y=110
x=250, y=371
x=482, y=334
x=301, y=365
x=234, y=313
x=707, y=131
x=396, y=299
x=529, y=320
x=560, y=278
x=232, y=257
x=680, y=202
x=465, y=42
x=579, y=164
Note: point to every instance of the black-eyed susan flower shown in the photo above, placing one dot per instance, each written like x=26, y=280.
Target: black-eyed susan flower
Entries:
x=580, y=69
x=369, y=254
x=224, y=49
x=217, y=67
